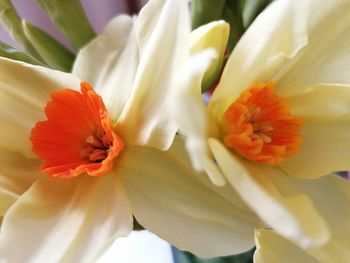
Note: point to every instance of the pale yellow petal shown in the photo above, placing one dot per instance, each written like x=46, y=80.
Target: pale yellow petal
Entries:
x=65, y=220
x=326, y=58
x=24, y=92
x=7, y=195
x=331, y=197
x=294, y=217
x=275, y=36
x=317, y=100
x=183, y=207
x=273, y=248
x=162, y=32
x=17, y=174
x=109, y=63
x=189, y=111
x=325, y=144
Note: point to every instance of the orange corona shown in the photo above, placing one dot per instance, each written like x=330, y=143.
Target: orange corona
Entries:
x=77, y=136
x=260, y=127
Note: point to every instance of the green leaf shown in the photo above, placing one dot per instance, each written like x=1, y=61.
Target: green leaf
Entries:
x=8, y=51
x=186, y=257
x=70, y=18
x=232, y=14
x=252, y=8
x=205, y=11
x=53, y=52
x=13, y=24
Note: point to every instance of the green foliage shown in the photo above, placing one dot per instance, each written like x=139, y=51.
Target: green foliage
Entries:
x=238, y=13
x=53, y=52
x=8, y=51
x=70, y=19
x=137, y=225
x=205, y=11
x=13, y=24
x=252, y=8
x=186, y=257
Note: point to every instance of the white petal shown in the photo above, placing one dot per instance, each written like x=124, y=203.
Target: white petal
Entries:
x=162, y=30
x=331, y=197
x=17, y=174
x=293, y=217
x=70, y=220
x=189, y=111
x=272, y=248
x=275, y=36
x=109, y=63
x=183, y=207
x=24, y=92
x=325, y=132
x=326, y=58
x=317, y=100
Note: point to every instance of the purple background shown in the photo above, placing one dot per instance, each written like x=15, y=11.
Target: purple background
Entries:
x=99, y=13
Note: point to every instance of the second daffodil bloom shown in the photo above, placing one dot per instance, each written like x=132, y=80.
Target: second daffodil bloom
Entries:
x=99, y=139
x=279, y=115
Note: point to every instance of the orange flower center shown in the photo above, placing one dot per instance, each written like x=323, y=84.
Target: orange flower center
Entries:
x=77, y=136
x=259, y=126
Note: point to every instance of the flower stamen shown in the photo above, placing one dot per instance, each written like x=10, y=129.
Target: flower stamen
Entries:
x=259, y=126
x=77, y=136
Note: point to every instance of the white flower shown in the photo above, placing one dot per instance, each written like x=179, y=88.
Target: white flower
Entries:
x=281, y=109
x=131, y=65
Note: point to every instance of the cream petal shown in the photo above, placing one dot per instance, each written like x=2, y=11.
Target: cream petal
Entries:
x=188, y=110
x=17, y=174
x=317, y=100
x=272, y=248
x=325, y=132
x=65, y=220
x=275, y=36
x=326, y=58
x=162, y=31
x=109, y=63
x=7, y=196
x=24, y=92
x=331, y=196
x=293, y=217
x=182, y=206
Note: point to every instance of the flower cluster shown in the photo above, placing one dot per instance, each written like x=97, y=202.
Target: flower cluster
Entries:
x=121, y=131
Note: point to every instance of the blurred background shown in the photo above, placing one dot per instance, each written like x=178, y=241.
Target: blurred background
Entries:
x=98, y=12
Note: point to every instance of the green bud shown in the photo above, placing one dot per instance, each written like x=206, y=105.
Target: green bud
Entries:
x=53, y=52
x=70, y=19
x=213, y=35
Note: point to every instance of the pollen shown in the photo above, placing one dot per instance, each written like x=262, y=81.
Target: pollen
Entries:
x=77, y=137
x=259, y=126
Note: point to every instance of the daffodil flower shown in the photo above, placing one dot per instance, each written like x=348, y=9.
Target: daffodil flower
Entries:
x=97, y=143
x=281, y=109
